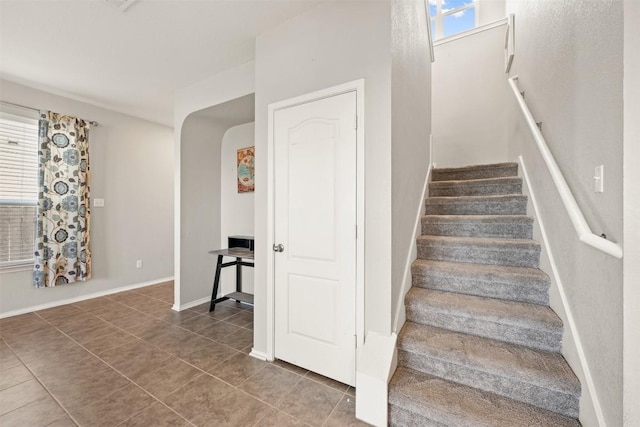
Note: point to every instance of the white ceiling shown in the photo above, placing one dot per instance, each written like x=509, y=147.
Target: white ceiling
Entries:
x=131, y=61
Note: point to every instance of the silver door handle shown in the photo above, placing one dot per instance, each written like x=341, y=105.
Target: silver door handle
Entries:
x=278, y=248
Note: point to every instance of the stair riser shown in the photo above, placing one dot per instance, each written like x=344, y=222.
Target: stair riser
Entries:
x=532, y=394
x=399, y=417
x=534, y=336
x=526, y=256
x=510, y=230
x=436, y=190
x=497, y=172
x=484, y=287
x=512, y=207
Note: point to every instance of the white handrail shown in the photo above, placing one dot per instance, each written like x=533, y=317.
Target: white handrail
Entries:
x=577, y=218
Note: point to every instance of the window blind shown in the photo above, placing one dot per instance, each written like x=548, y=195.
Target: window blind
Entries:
x=18, y=188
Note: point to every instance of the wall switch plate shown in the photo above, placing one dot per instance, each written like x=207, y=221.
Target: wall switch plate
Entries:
x=98, y=203
x=598, y=179
x=139, y=263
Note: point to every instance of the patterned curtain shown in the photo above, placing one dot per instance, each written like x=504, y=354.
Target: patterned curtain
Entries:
x=62, y=231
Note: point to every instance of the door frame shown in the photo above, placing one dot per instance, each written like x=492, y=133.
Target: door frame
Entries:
x=356, y=86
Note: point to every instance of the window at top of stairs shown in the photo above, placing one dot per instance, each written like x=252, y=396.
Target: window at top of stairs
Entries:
x=449, y=17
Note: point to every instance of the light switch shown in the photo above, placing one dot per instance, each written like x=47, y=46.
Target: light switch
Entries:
x=598, y=179
x=98, y=203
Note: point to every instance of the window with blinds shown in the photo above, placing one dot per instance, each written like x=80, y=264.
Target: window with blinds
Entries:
x=18, y=188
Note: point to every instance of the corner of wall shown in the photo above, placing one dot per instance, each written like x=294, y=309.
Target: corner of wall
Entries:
x=376, y=363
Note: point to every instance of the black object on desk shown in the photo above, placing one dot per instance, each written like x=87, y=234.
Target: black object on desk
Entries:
x=240, y=247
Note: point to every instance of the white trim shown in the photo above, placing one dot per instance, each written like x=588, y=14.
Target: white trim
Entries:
x=509, y=42
x=573, y=210
x=377, y=361
x=565, y=304
x=83, y=297
x=357, y=86
x=429, y=36
x=412, y=252
x=188, y=305
x=14, y=266
x=259, y=355
x=471, y=32
x=177, y=210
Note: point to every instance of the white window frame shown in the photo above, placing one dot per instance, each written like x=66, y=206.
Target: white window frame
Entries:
x=438, y=19
x=23, y=264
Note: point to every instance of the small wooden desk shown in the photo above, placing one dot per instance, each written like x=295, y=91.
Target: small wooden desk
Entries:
x=238, y=295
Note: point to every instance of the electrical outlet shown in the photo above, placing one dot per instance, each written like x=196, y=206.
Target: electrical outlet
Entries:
x=98, y=203
x=598, y=179
x=139, y=263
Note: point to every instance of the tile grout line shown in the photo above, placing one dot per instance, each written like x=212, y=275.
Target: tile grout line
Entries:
x=154, y=345
x=108, y=322
x=38, y=379
x=112, y=368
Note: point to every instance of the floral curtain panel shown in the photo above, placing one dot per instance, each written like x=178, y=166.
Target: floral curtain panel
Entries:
x=62, y=231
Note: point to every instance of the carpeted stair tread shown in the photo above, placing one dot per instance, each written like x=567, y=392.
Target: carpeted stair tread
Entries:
x=509, y=204
x=494, y=170
x=476, y=187
x=419, y=399
x=480, y=250
x=537, y=377
x=522, y=284
x=526, y=324
x=480, y=345
x=509, y=226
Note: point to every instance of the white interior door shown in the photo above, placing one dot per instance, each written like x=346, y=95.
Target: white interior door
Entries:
x=315, y=222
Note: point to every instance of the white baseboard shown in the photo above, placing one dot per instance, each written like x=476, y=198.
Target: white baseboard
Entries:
x=568, y=314
x=260, y=355
x=191, y=304
x=406, y=278
x=83, y=297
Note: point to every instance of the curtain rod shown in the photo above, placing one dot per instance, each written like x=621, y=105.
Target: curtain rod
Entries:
x=11, y=104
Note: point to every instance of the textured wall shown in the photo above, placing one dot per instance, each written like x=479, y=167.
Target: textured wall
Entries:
x=332, y=44
x=410, y=130
x=469, y=100
x=200, y=205
x=569, y=61
x=631, y=212
x=236, y=209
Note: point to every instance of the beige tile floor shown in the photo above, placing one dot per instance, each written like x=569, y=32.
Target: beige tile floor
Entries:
x=128, y=360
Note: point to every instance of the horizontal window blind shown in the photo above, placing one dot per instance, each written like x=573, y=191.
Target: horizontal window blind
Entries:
x=18, y=188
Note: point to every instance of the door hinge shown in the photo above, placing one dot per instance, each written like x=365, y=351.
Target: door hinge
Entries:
x=355, y=339
x=356, y=227
x=356, y=123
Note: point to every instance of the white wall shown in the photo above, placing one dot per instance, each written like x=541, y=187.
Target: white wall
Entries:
x=469, y=99
x=631, y=291
x=200, y=204
x=571, y=70
x=237, y=209
x=131, y=168
x=491, y=10
x=218, y=89
x=410, y=130
x=334, y=43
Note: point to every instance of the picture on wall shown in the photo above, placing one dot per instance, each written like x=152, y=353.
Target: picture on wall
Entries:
x=246, y=169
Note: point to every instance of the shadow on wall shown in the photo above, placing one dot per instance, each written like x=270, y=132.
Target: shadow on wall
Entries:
x=201, y=207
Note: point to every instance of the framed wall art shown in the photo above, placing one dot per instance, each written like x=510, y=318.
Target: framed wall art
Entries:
x=246, y=169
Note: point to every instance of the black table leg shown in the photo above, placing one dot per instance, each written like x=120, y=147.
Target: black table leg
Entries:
x=216, y=282
x=238, y=276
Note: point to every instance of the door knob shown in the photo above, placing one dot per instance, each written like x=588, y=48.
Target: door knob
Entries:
x=278, y=248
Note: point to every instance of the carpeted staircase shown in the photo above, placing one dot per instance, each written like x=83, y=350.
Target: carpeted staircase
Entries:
x=480, y=347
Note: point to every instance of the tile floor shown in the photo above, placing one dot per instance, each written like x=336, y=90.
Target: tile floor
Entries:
x=128, y=360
